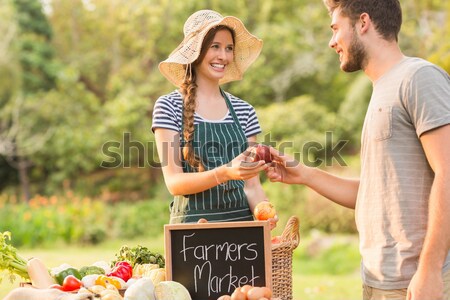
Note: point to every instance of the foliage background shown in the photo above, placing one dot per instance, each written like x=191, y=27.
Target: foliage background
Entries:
x=78, y=81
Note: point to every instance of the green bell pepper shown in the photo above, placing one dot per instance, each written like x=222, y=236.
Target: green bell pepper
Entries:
x=63, y=274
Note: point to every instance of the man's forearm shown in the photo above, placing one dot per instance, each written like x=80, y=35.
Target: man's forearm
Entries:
x=437, y=240
x=342, y=191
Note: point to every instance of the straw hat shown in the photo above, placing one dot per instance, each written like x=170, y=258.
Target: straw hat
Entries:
x=246, y=49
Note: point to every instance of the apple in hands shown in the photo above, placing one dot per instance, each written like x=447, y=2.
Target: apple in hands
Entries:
x=261, y=152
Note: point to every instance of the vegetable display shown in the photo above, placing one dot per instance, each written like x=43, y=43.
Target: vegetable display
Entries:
x=171, y=290
x=122, y=269
x=10, y=261
x=138, y=255
x=136, y=273
x=143, y=289
x=70, y=283
x=144, y=270
x=91, y=270
x=104, y=265
x=39, y=274
x=64, y=273
x=105, y=280
x=157, y=275
x=90, y=280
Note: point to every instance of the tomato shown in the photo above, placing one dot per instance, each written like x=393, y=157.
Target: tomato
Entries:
x=71, y=283
x=264, y=210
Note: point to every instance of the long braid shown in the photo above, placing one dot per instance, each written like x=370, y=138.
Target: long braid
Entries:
x=189, y=90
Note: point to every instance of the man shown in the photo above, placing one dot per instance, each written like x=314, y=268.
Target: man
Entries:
x=402, y=198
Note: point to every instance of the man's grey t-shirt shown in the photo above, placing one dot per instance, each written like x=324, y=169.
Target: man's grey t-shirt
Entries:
x=392, y=206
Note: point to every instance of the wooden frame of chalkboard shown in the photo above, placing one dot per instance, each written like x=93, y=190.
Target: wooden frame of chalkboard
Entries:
x=212, y=259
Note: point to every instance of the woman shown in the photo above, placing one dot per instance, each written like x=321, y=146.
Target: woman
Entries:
x=201, y=131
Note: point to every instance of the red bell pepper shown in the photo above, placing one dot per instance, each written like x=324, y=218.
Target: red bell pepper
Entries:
x=123, y=270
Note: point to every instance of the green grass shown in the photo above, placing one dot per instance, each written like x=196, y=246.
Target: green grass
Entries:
x=324, y=268
x=327, y=287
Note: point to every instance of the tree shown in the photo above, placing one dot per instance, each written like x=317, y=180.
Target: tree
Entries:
x=108, y=81
x=32, y=73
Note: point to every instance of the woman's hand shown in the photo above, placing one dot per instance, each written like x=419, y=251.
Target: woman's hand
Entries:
x=273, y=222
x=240, y=168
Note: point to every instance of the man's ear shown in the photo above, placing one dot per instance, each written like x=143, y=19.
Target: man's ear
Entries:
x=365, y=21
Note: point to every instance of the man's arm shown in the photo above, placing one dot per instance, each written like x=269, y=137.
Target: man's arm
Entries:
x=285, y=168
x=342, y=191
x=427, y=282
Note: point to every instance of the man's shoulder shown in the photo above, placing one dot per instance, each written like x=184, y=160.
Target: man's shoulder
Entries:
x=415, y=64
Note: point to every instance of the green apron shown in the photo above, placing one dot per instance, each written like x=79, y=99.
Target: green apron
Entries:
x=216, y=144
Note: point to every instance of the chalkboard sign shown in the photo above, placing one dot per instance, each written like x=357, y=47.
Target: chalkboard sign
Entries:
x=212, y=259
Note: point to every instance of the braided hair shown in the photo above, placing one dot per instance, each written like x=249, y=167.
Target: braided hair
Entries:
x=189, y=90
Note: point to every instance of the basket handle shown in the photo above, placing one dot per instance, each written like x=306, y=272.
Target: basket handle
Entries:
x=291, y=232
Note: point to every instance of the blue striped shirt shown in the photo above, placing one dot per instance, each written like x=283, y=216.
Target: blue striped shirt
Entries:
x=167, y=114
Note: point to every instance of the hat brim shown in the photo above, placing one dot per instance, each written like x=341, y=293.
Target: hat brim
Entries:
x=246, y=49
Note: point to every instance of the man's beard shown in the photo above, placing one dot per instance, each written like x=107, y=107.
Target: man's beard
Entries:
x=357, y=56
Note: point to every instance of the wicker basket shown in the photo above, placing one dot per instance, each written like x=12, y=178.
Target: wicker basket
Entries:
x=282, y=260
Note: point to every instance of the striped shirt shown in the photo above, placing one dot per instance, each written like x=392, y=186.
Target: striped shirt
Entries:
x=216, y=143
x=167, y=114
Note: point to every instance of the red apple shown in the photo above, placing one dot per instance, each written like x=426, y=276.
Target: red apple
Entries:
x=264, y=210
x=262, y=152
